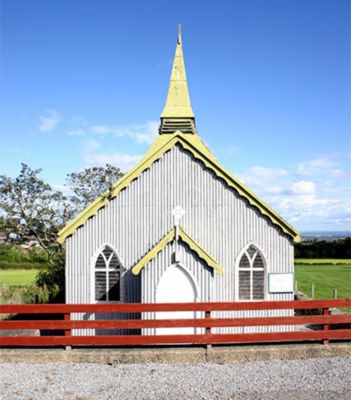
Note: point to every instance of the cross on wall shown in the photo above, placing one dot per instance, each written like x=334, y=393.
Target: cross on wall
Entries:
x=177, y=213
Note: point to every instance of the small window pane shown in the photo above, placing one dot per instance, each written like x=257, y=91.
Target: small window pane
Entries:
x=244, y=262
x=244, y=285
x=114, y=262
x=100, y=285
x=258, y=285
x=251, y=251
x=100, y=262
x=113, y=293
x=107, y=252
x=258, y=263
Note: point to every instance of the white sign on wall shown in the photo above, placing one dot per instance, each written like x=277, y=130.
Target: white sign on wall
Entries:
x=280, y=283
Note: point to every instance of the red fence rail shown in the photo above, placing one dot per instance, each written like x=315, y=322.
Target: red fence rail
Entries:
x=207, y=337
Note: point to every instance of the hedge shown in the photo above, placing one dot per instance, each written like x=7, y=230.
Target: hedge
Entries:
x=5, y=264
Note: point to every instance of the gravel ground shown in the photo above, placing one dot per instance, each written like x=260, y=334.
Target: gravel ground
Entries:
x=320, y=378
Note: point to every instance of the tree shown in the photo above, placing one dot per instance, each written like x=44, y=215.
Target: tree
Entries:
x=33, y=208
x=90, y=183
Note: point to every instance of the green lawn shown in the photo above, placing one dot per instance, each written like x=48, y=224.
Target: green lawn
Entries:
x=18, y=277
x=325, y=277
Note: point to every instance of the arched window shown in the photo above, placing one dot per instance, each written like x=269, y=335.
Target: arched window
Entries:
x=107, y=276
x=251, y=275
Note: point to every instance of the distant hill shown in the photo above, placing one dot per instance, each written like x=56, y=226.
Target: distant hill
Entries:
x=325, y=235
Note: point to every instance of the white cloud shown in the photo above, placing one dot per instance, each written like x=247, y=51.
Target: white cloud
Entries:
x=92, y=157
x=101, y=129
x=79, y=120
x=303, y=188
x=326, y=166
x=271, y=173
x=16, y=150
x=90, y=145
x=49, y=121
x=254, y=177
x=309, y=203
x=120, y=160
x=140, y=133
x=76, y=132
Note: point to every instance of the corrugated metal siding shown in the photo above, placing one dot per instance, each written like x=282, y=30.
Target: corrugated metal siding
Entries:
x=216, y=217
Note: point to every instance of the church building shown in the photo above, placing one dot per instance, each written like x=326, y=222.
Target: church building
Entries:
x=178, y=227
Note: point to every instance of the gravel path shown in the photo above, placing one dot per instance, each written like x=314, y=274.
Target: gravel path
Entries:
x=321, y=378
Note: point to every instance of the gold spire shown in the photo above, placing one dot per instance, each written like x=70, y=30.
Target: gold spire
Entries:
x=178, y=101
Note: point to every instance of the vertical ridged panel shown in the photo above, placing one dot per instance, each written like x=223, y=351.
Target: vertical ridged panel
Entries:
x=221, y=221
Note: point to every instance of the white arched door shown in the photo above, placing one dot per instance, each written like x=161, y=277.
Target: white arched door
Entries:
x=175, y=286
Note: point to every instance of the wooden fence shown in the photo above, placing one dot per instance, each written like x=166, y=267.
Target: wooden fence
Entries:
x=328, y=323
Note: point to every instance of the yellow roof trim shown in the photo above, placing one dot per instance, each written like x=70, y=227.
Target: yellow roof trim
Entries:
x=178, y=100
x=153, y=154
x=210, y=261
x=195, y=145
x=194, y=246
x=153, y=252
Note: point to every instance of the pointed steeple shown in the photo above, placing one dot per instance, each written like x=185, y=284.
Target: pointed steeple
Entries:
x=177, y=110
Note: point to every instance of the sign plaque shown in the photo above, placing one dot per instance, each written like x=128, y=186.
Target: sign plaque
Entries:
x=281, y=283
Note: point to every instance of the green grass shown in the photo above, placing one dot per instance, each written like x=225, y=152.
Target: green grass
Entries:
x=325, y=277
x=322, y=261
x=18, y=277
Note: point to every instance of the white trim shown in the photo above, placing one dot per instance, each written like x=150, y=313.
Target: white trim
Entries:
x=265, y=271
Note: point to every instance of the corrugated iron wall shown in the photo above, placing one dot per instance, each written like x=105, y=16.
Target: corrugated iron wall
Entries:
x=221, y=221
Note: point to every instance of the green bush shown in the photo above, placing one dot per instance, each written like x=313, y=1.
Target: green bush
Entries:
x=24, y=295
x=339, y=248
x=15, y=257
x=50, y=282
x=53, y=278
x=10, y=252
x=37, y=255
x=22, y=265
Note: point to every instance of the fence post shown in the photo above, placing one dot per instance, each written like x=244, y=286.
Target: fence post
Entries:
x=208, y=329
x=68, y=332
x=312, y=291
x=325, y=326
x=335, y=293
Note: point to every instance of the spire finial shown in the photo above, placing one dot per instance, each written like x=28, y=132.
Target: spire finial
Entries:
x=179, y=41
x=178, y=101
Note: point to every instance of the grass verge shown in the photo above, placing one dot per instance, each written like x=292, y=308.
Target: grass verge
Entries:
x=18, y=277
x=325, y=277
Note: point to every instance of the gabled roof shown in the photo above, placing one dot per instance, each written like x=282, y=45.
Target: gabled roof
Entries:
x=178, y=107
x=197, y=148
x=171, y=235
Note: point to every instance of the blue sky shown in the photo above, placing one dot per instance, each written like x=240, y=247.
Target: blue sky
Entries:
x=84, y=82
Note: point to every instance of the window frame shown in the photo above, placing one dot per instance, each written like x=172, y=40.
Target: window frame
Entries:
x=251, y=269
x=93, y=269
